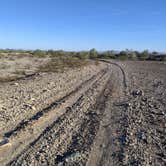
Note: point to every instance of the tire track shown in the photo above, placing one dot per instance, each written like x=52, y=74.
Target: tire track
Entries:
x=82, y=136
x=22, y=129
x=122, y=70
x=52, y=106
x=73, y=113
x=79, y=149
x=108, y=144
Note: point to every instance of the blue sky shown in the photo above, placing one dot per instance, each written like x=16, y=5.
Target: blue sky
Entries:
x=83, y=24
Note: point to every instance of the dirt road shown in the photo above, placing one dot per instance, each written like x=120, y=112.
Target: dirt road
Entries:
x=115, y=115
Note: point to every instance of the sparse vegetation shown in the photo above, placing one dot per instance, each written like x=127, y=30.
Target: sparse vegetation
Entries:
x=57, y=53
x=133, y=55
x=8, y=78
x=20, y=72
x=39, y=53
x=144, y=55
x=92, y=54
x=60, y=64
x=1, y=55
x=82, y=55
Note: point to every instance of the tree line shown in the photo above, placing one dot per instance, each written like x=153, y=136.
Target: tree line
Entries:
x=93, y=54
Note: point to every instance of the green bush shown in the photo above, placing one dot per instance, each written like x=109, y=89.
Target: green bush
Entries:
x=82, y=55
x=122, y=57
x=93, y=54
x=163, y=58
x=39, y=53
x=57, y=53
x=60, y=64
x=1, y=55
x=144, y=55
x=132, y=56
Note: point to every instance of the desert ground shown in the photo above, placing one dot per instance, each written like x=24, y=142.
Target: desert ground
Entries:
x=109, y=113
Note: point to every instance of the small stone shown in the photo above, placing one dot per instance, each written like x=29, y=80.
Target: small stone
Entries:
x=150, y=104
x=144, y=99
x=16, y=84
x=136, y=93
x=33, y=108
x=141, y=135
x=103, y=146
x=73, y=157
x=32, y=99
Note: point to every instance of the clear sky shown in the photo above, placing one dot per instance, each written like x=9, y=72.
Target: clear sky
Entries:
x=83, y=24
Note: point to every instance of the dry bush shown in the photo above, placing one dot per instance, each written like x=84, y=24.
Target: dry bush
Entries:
x=19, y=72
x=17, y=75
x=60, y=64
x=8, y=78
x=1, y=55
x=39, y=53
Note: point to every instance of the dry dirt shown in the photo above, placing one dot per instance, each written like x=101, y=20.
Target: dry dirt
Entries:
x=19, y=65
x=108, y=114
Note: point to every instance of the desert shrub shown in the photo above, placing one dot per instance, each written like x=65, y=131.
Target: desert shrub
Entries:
x=132, y=56
x=152, y=57
x=163, y=58
x=19, y=72
x=144, y=55
x=123, y=53
x=122, y=57
x=107, y=55
x=82, y=55
x=8, y=78
x=17, y=75
x=72, y=54
x=39, y=53
x=93, y=54
x=57, y=53
x=50, y=52
x=1, y=55
x=60, y=64
x=110, y=54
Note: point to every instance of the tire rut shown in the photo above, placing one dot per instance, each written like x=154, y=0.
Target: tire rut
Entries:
x=14, y=134
x=52, y=106
x=72, y=114
x=78, y=151
x=109, y=142
x=122, y=70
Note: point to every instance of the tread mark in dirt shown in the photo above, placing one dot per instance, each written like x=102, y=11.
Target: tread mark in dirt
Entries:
x=123, y=72
x=59, y=120
x=83, y=140
x=53, y=105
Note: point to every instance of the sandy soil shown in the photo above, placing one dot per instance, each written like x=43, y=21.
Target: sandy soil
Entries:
x=19, y=65
x=110, y=114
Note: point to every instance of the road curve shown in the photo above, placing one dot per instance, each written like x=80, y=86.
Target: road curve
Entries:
x=93, y=125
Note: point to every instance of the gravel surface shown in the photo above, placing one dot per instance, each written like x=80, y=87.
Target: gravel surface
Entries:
x=133, y=132
x=110, y=114
x=19, y=100
x=146, y=115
